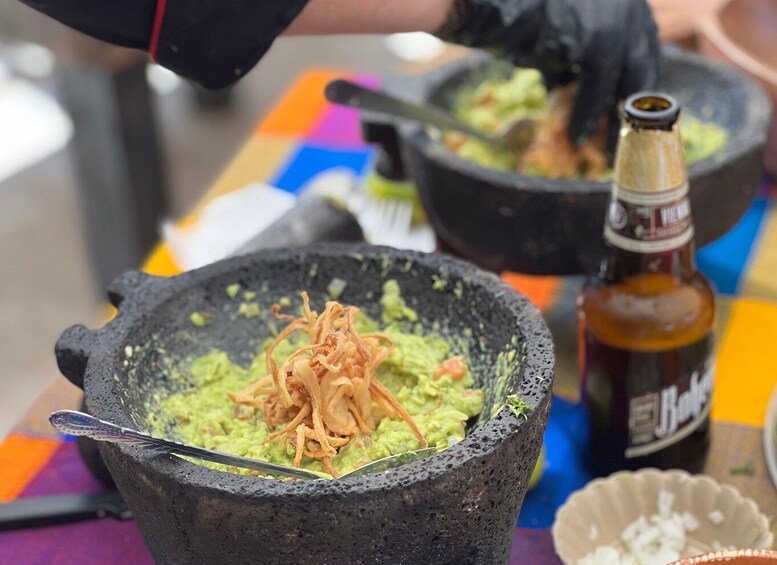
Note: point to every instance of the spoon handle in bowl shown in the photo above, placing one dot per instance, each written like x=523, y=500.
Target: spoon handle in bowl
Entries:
x=80, y=424
x=354, y=95
x=391, y=462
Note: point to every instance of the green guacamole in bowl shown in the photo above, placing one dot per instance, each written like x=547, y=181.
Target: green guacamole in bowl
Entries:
x=439, y=402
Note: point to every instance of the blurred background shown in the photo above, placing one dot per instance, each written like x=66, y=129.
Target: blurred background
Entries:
x=78, y=116
x=98, y=147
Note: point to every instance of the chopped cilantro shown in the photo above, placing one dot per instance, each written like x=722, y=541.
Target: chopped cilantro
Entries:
x=747, y=469
x=517, y=406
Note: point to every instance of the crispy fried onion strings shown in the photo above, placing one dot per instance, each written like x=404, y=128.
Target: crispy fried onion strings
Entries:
x=325, y=394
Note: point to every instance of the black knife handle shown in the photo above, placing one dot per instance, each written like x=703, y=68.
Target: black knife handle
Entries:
x=315, y=218
x=60, y=509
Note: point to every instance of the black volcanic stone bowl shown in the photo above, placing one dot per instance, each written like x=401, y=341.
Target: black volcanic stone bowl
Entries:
x=458, y=506
x=507, y=221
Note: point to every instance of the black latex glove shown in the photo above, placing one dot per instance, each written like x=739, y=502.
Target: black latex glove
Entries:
x=610, y=46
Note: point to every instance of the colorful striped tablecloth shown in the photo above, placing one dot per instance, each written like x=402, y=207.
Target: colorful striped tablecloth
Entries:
x=302, y=136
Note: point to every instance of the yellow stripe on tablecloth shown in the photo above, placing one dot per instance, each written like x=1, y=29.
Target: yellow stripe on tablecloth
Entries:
x=21, y=458
x=746, y=370
x=760, y=280
x=258, y=160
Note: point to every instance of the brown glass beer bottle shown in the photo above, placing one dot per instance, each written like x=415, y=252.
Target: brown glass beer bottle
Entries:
x=647, y=319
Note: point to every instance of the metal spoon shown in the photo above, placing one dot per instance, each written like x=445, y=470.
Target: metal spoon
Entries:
x=390, y=462
x=78, y=423
x=514, y=137
x=81, y=424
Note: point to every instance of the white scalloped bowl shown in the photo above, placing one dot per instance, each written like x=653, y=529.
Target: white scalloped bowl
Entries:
x=597, y=514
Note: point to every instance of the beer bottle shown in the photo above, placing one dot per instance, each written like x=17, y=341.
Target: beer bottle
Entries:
x=647, y=319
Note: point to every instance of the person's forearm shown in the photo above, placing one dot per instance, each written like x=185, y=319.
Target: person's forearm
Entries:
x=322, y=17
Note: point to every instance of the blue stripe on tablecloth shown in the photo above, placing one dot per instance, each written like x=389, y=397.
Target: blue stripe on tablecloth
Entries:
x=724, y=260
x=565, y=441
x=310, y=160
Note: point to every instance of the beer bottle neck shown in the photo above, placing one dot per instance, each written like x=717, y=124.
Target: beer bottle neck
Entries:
x=649, y=232
x=649, y=228
x=649, y=160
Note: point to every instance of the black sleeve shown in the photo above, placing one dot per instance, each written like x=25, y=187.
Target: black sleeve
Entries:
x=213, y=42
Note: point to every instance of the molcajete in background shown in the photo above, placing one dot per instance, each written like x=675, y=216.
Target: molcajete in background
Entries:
x=457, y=506
x=531, y=224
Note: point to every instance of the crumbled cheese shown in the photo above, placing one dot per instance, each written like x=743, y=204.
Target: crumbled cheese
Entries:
x=593, y=532
x=716, y=517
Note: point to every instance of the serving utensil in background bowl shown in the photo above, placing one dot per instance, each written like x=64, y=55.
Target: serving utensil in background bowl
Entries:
x=741, y=33
x=513, y=136
x=459, y=505
x=508, y=221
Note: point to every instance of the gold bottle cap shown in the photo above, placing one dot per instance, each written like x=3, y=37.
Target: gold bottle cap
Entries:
x=650, y=154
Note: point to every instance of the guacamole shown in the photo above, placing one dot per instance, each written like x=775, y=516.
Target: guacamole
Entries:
x=496, y=102
x=432, y=384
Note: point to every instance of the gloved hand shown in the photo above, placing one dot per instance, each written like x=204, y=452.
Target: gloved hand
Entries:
x=610, y=46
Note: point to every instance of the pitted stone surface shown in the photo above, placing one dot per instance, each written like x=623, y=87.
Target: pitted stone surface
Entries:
x=458, y=506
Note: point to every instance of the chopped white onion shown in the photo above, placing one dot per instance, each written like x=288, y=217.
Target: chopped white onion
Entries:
x=654, y=540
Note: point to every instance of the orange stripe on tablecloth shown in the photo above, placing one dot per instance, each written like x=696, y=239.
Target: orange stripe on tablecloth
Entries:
x=301, y=108
x=746, y=370
x=540, y=290
x=21, y=458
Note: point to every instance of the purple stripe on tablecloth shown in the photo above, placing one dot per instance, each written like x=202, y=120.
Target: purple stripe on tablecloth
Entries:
x=119, y=542
x=95, y=542
x=89, y=542
x=64, y=473
x=533, y=547
x=340, y=125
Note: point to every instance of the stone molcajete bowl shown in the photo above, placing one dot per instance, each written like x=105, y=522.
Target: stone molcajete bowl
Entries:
x=507, y=221
x=458, y=506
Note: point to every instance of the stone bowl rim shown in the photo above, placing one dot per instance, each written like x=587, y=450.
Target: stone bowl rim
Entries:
x=752, y=134
x=136, y=293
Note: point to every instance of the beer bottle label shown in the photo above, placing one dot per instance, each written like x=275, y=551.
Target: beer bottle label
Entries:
x=649, y=222
x=646, y=401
